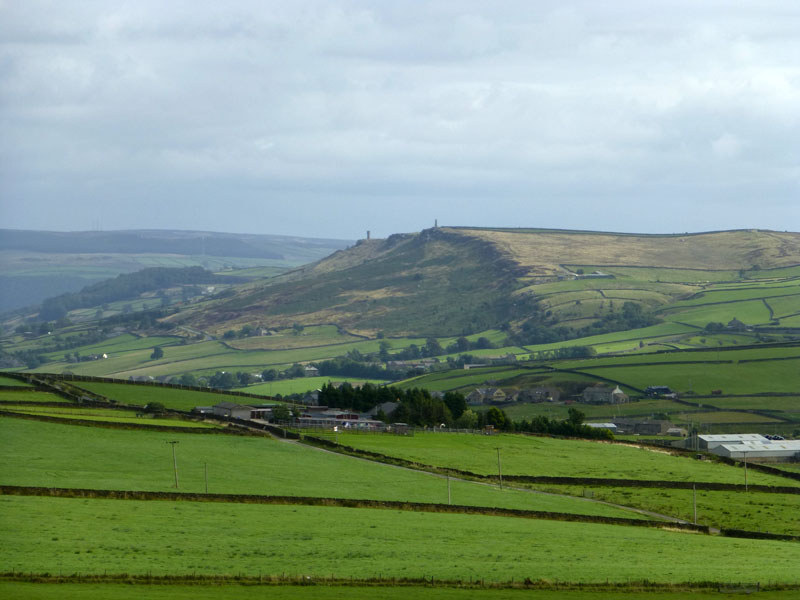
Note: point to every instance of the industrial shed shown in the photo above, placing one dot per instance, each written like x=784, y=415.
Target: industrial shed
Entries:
x=769, y=451
x=711, y=441
x=232, y=410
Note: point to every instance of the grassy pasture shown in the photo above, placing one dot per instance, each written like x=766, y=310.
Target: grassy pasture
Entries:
x=300, y=385
x=106, y=415
x=740, y=295
x=742, y=378
x=722, y=416
x=665, y=275
x=100, y=591
x=61, y=455
x=284, y=339
x=169, y=397
x=789, y=404
x=11, y=382
x=525, y=410
x=711, y=355
x=533, y=455
x=121, y=343
x=751, y=312
x=784, y=305
x=634, y=335
x=460, y=378
x=160, y=538
x=14, y=396
x=751, y=511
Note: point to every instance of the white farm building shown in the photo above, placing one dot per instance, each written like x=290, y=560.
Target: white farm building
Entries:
x=769, y=450
x=709, y=442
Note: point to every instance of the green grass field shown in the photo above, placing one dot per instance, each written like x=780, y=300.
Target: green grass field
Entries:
x=743, y=378
x=300, y=385
x=140, y=395
x=106, y=415
x=56, y=455
x=14, y=396
x=722, y=416
x=533, y=455
x=121, y=343
x=11, y=382
x=92, y=591
x=161, y=537
x=753, y=511
x=643, y=408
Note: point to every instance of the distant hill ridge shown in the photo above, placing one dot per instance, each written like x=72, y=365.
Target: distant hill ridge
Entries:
x=454, y=280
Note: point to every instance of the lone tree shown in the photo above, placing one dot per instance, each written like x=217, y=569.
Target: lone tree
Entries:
x=157, y=353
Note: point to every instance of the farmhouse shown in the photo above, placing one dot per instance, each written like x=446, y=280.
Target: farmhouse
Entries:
x=328, y=418
x=538, y=394
x=604, y=395
x=486, y=396
x=232, y=410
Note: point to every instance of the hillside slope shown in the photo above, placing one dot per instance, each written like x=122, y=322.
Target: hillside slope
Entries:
x=449, y=281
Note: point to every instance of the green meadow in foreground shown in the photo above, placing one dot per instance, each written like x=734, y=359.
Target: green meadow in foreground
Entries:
x=203, y=538
x=751, y=511
x=544, y=456
x=67, y=591
x=55, y=455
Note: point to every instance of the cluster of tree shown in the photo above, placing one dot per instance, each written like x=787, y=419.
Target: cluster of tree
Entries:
x=30, y=358
x=462, y=344
x=416, y=406
x=348, y=367
x=633, y=316
x=537, y=329
x=568, y=352
x=127, y=285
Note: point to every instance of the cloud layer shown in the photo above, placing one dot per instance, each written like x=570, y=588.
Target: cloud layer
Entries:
x=330, y=118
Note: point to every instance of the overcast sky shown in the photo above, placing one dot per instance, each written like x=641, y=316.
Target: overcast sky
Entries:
x=330, y=118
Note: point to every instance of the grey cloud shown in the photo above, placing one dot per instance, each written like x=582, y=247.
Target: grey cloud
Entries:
x=583, y=113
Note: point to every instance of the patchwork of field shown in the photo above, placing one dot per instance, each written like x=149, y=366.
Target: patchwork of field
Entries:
x=139, y=395
x=11, y=382
x=105, y=415
x=35, y=396
x=173, y=538
x=544, y=456
x=61, y=455
x=302, y=384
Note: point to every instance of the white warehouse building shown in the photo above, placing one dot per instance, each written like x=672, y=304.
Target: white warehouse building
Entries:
x=711, y=441
x=772, y=450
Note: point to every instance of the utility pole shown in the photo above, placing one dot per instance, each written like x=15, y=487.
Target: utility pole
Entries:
x=694, y=501
x=499, y=470
x=174, y=462
x=205, y=469
x=448, y=490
